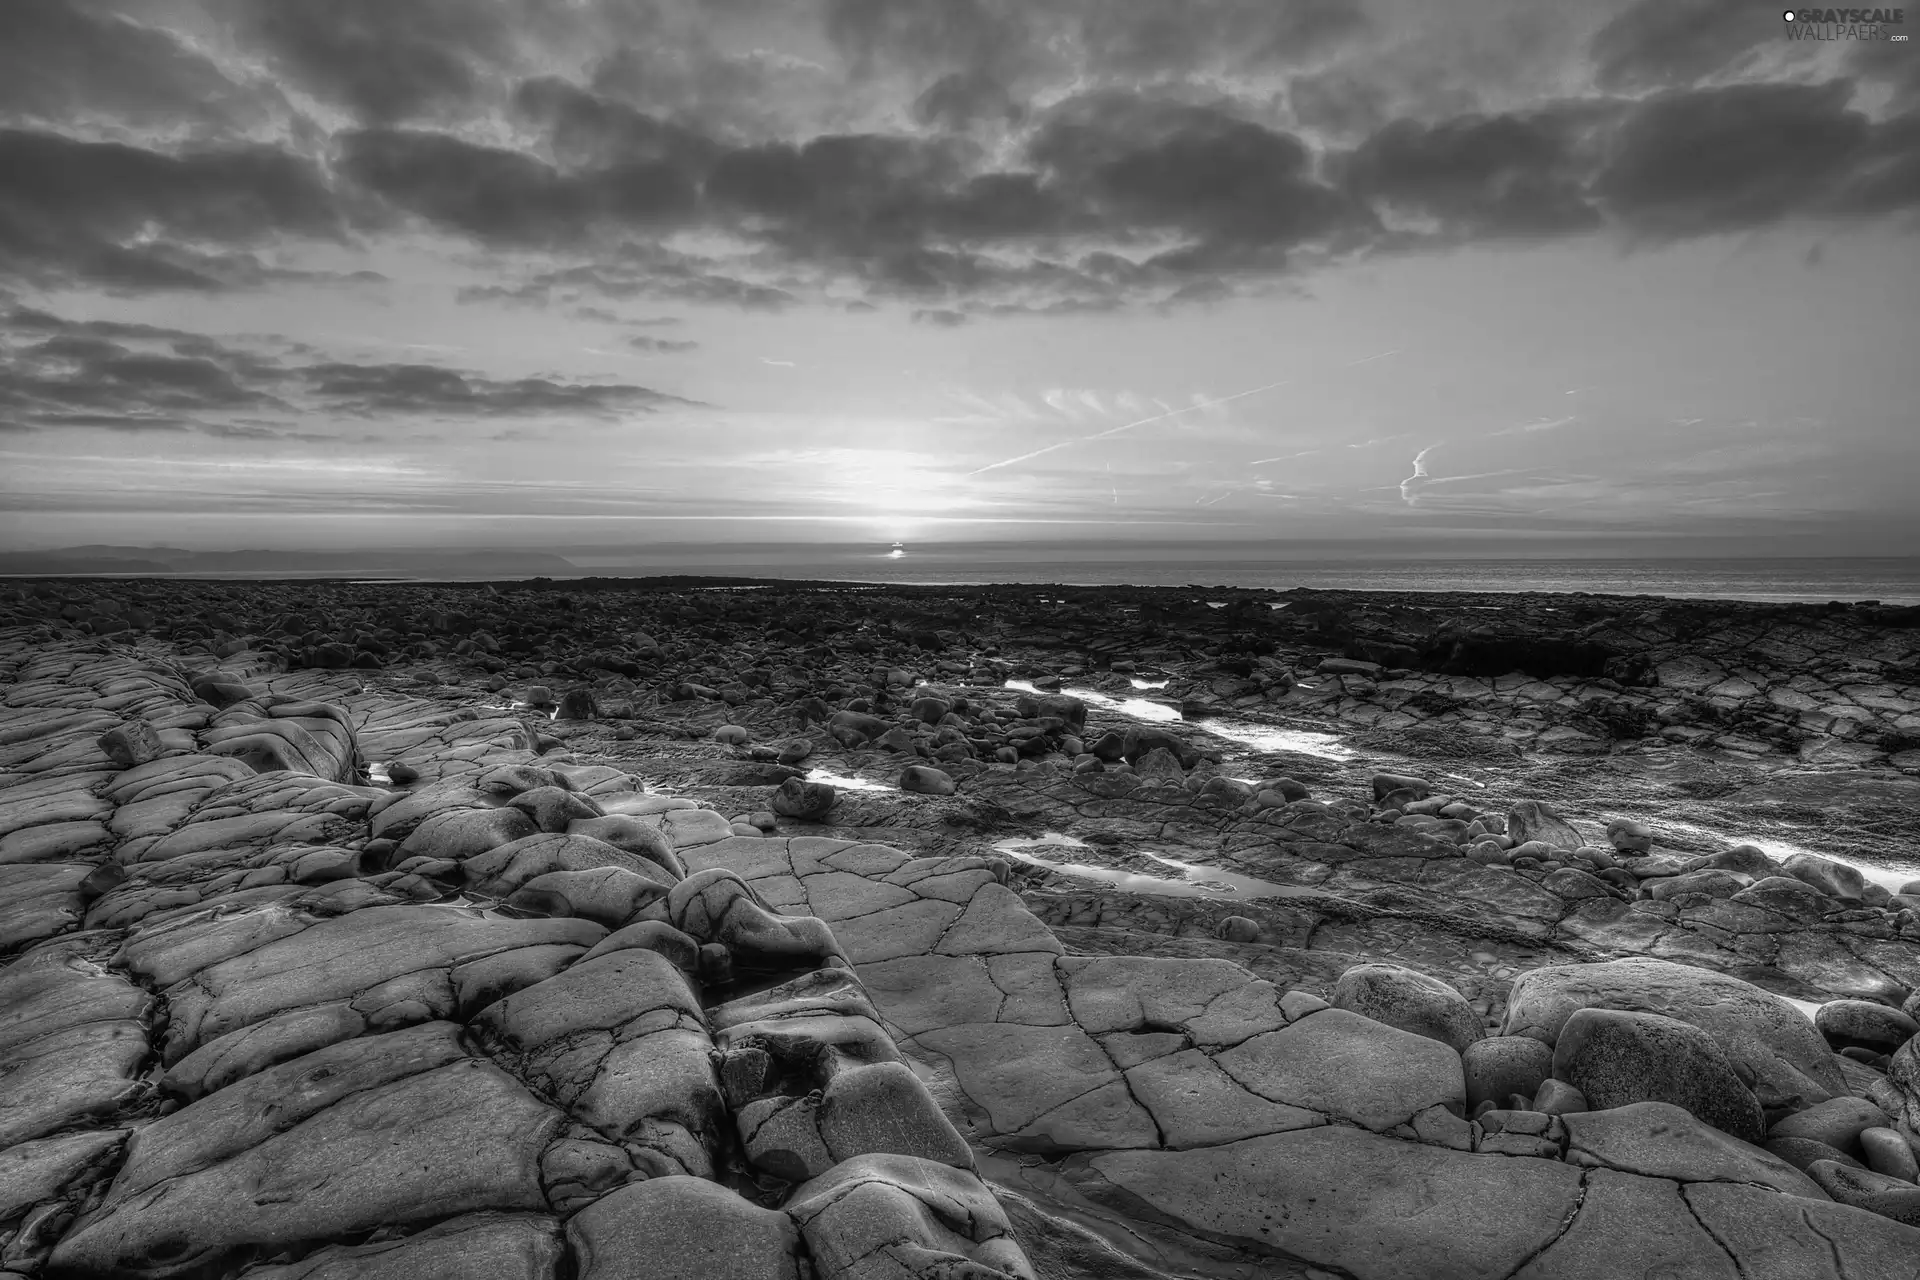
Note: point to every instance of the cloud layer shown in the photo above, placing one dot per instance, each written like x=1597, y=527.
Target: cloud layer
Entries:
x=964, y=155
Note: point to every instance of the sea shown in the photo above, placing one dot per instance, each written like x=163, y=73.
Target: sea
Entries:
x=1888, y=580
x=1891, y=580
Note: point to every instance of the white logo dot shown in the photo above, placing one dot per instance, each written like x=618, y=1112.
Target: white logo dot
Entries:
x=1788, y=15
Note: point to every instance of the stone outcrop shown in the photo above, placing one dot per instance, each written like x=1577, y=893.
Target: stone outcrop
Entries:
x=319, y=972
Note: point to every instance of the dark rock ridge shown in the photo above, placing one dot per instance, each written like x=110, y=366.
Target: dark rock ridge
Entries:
x=598, y=930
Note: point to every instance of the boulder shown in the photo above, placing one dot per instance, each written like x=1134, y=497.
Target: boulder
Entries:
x=798, y=798
x=926, y=780
x=1836, y=1123
x=1835, y=879
x=1411, y=1001
x=1616, y=1058
x=902, y=1217
x=1661, y=1140
x=1538, y=820
x=1790, y=1061
x=1498, y=1067
x=131, y=743
x=1864, y=1024
x=681, y=1228
x=1878, y=1193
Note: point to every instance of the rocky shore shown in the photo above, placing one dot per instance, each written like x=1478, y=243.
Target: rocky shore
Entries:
x=688, y=928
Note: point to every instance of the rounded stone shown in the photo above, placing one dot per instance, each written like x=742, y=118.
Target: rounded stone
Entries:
x=1864, y=1024
x=1629, y=836
x=797, y=798
x=1835, y=879
x=1500, y=1066
x=1616, y=1058
x=577, y=704
x=1411, y=1001
x=1237, y=929
x=1889, y=1153
x=926, y=780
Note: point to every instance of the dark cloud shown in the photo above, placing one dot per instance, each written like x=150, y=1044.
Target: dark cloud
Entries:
x=1154, y=37
x=373, y=389
x=635, y=271
x=586, y=129
x=125, y=217
x=1882, y=63
x=939, y=317
x=503, y=196
x=572, y=141
x=1482, y=175
x=61, y=59
x=1885, y=175
x=56, y=372
x=1142, y=164
x=1118, y=39
x=383, y=60
x=963, y=99
x=660, y=346
x=1701, y=161
x=1673, y=43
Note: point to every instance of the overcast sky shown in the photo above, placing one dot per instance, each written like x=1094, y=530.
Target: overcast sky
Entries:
x=1519, y=275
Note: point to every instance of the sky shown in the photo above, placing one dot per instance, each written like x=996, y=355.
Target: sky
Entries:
x=1529, y=278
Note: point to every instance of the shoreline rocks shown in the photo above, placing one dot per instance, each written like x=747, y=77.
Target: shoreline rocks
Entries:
x=326, y=969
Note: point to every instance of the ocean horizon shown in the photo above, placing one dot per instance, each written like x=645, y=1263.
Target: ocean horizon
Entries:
x=1893, y=580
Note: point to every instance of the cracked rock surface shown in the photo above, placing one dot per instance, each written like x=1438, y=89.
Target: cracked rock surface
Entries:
x=348, y=934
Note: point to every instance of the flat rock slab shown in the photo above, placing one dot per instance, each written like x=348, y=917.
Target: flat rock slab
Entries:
x=388, y=1129
x=499, y=1246
x=1342, y=1198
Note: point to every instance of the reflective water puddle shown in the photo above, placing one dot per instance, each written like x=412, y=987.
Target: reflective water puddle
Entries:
x=846, y=783
x=1192, y=882
x=1258, y=737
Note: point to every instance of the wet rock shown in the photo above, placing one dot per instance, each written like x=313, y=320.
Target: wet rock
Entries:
x=1616, y=1058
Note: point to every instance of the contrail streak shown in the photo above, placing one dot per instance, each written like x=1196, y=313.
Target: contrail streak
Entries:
x=1171, y=413
x=1128, y=426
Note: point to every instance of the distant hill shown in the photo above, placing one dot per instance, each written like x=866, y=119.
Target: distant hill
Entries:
x=143, y=561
